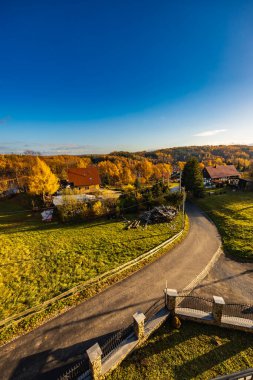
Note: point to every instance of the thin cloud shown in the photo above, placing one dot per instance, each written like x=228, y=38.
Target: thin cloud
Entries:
x=210, y=133
x=47, y=148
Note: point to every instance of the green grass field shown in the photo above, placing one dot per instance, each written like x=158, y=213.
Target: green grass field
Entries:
x=233, y=214
x=194, y=352
x=40, y=261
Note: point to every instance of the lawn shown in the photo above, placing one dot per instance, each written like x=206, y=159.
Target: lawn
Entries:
x=233, y=214
x=40, y=261
x=194, y=352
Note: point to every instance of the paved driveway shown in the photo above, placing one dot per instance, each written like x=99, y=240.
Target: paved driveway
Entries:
x=229, y=279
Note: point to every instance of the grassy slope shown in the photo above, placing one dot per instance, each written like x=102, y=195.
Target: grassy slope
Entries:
x=233, y=214
x=193, y=352
x=39, y=261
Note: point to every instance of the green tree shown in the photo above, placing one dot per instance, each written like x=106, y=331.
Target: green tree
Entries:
x=192, y=178
x=42, y=181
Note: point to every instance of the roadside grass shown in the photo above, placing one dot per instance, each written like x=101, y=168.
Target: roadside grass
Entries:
x=233, y=214
x=195, y=351
x=40, y=261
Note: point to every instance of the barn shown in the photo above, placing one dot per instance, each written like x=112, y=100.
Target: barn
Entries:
x=221, y=174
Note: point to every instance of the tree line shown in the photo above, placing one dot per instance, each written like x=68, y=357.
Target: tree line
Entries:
x=124, y=168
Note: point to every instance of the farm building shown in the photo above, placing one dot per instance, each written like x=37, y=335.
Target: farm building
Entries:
x=220, y=174
x=245, y=184
x=85, y=178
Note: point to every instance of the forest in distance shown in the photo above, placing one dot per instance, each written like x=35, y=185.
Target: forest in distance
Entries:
x=122, y=168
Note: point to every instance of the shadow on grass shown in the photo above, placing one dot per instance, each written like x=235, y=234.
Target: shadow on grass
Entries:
x=191, y=361
x=219, y=354
x=38, y=226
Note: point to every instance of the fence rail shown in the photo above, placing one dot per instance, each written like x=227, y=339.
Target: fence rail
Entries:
x=81, y=287
x=194, y=303
x=237, y=311
x=78, y=369
x=115, y=341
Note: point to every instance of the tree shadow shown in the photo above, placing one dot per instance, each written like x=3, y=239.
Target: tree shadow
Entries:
x=248, y=271
x=199, y=362
x=212, y=358
x=53, y=225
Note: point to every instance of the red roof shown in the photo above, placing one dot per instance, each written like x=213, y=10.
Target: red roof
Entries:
x=84, y=176
x=221, y=171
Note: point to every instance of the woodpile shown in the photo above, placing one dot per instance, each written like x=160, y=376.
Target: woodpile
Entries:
x=133, y=224
x=159, y=214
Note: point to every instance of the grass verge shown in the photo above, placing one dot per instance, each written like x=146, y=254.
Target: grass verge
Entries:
x=233, y=215
x=195, y=351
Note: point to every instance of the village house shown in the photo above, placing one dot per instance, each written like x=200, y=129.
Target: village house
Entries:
x=221, y=174
x=84, y=178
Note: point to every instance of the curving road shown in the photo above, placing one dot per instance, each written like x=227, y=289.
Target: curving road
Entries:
x=46, y=351
x=229, y=279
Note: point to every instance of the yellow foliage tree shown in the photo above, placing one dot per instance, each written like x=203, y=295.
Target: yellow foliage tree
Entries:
x=162, y=171
x=42, y=181
x=98, y=208
x=145, y=169
x=3, y=185
x=108, y=171
x=127, y=176
x=201, y=165
x=181, y=164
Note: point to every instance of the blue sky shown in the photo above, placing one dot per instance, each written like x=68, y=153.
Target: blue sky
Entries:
x=83, y=76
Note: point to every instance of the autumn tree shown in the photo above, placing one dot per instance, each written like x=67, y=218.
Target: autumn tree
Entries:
x=145, y=169
x=42, y=181
x=109, y=172
x=127, y=176
x=3, y=185
x=162, y=171
x=192, y=177
x=181, y=165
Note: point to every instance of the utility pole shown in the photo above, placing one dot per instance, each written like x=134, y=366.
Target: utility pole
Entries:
x=180, y=181
x=184, y=206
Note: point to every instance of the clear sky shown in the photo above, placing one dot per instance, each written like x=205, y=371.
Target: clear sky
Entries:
x=82, y=76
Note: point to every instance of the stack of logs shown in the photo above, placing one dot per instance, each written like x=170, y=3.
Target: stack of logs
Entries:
x=159, y=214
x=133, y=224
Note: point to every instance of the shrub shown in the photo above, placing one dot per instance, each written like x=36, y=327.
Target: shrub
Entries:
x=98, y=209
x=72, y=209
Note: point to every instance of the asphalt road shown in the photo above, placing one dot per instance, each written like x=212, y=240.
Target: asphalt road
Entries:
x=229, y=279
x=45, y=352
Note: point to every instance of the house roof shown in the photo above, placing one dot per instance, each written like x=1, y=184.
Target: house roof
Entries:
x=221, y=171
x=84, y=176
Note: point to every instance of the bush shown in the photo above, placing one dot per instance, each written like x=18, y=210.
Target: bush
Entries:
x=98, y=209
x=174, y=199
x=72, y=209
x=159, y=194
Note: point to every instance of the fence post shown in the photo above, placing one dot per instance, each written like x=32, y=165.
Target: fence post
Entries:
x=170, y=300
x=139, y=329
x=94, y=354
x=218, y=303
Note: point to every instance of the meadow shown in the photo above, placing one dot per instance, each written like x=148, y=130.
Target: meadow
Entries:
x=233, y=214
x=40, y=261
x=195, y=351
